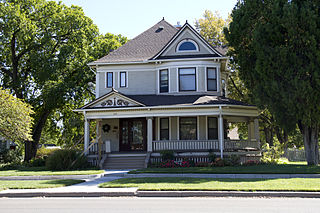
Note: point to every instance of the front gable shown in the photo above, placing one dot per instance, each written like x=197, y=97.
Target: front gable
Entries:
x=112, y=100
x=187, y=34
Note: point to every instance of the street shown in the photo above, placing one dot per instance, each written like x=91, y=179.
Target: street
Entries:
x=163, y=205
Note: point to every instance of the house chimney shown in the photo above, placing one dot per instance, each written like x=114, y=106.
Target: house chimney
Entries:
x=178, y=26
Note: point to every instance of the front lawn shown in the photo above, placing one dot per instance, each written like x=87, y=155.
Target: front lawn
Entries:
x=35, y=171
x=36, y=184
x=255, y=169
x=210, y=184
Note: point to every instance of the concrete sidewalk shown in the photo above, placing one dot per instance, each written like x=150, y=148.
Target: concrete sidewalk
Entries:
x=90, y=188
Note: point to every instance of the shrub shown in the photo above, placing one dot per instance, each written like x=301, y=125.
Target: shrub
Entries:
x=168, y=164
x=35, y=162
x=202, y=164
x=167, y=155
x=234, y=160
x=212, y=157
x=251, y=163
x=13, y=157
x=66, y=159
x=44, y=152
x=272, y=155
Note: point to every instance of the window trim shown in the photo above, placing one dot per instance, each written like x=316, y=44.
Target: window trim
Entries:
x=195, y=79
x=212, y=128
x=125, y=80
x=187, y=40
x=159, y=81
x=179, y=127
x=168, y=118
x=108, y=81
x=207, y=78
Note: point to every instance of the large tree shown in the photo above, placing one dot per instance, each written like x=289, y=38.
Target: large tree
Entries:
x=276, y=46
x=15, y=117
x=44, y=50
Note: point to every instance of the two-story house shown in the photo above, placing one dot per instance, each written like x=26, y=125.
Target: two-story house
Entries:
x=164, y=90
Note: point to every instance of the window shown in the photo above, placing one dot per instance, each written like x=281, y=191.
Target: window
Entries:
x=187, y=45
x=164, y=128
x=109, y=79
x=188, y=128
x=187, y=79
x=123, y=79
x=211, y=79
x=212, y=128
x=164, y=83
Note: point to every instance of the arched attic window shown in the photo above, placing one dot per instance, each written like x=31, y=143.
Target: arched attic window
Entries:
x=187, y=45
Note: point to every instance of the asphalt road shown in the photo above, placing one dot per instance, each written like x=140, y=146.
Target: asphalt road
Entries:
x=163, y=205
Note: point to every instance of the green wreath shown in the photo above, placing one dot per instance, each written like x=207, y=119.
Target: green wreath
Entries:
x=106, y=127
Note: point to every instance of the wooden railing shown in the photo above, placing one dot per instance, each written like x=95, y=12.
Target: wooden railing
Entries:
x=204, y=145
x=180, y=145
x=105, y=148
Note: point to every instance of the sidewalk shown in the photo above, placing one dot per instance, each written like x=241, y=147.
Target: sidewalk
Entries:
x=90, y=187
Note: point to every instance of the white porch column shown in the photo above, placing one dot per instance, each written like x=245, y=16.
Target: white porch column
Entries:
x=149, y=135
x=249, y=131
x=220, y=134
x=99, y=137
x=86, y=134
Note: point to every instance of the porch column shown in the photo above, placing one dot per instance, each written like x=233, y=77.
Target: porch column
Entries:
x=86, y=135
x=256, y=130
x=149, y=134
x=99, y=138
x=249, y=131
x=220, y=134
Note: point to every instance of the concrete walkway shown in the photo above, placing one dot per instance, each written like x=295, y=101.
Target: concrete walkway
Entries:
x=90, y=187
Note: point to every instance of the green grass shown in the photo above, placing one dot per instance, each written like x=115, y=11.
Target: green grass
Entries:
x=35, y=171
x=36, y=184
x=255, y=169
x=210, y=184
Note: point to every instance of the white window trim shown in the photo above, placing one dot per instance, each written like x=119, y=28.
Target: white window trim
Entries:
x=197, y=78
x=158, y=80
x=187, y=40
x=105, y=80
x=206, y=79
x=159, y=127
x=119, y=80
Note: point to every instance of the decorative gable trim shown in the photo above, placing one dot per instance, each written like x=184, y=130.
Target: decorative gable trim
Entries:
x=112, y=99
x=186, y=25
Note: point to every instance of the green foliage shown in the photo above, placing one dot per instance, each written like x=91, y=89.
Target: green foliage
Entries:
x=44, y=152
x=167, y=155
x=12, y=157
x=15, y=117
x=275, y=45
x=272, y=154
x=211, y=27
x=66, y=159
x=212, y=157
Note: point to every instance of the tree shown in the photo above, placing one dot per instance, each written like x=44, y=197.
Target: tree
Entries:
x=275, y=44
x=15, y=119
x=211, y=27
x=45, y=48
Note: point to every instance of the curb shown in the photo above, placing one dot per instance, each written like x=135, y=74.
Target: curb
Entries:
x=269, y=194
x=52, y=177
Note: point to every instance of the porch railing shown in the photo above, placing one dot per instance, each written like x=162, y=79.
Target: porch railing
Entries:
x=105, y=148
x=204, y=145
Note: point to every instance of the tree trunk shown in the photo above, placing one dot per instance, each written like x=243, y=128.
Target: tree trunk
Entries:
x=268, y=132
x=311, y=143
x=32, y=146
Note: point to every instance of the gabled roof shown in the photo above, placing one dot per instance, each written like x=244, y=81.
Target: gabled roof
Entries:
x=144, y=46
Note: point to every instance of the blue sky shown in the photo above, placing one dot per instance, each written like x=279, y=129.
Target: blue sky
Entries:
x=131, y=17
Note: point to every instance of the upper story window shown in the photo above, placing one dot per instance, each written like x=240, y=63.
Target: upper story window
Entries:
x=187, y=45
x=109, y=82
x=211, y=79
x=164, y=81
x=187, y=79
x=123, y=79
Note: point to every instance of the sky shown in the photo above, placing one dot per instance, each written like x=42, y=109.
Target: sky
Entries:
x=131, y=17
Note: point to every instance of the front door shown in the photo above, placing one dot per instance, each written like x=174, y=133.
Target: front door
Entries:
x=133, y=134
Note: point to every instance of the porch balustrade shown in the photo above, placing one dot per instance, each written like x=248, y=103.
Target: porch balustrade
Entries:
x=204, y=145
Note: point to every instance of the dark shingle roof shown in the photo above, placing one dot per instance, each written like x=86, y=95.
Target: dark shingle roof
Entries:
x=144, y=46
x=165, y=100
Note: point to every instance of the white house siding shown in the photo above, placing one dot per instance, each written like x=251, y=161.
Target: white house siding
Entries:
x=174, y=128
x=202, y=127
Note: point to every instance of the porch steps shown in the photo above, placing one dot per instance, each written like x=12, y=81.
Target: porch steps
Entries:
x=127, y=161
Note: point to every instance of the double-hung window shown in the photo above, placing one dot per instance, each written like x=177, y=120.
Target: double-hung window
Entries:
x=109, y=80
x=123, y=79
x=164, y=81
x=188, y=128
x=164, y=128
x=212, y=128
x=211, y=79
x=187, y=79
